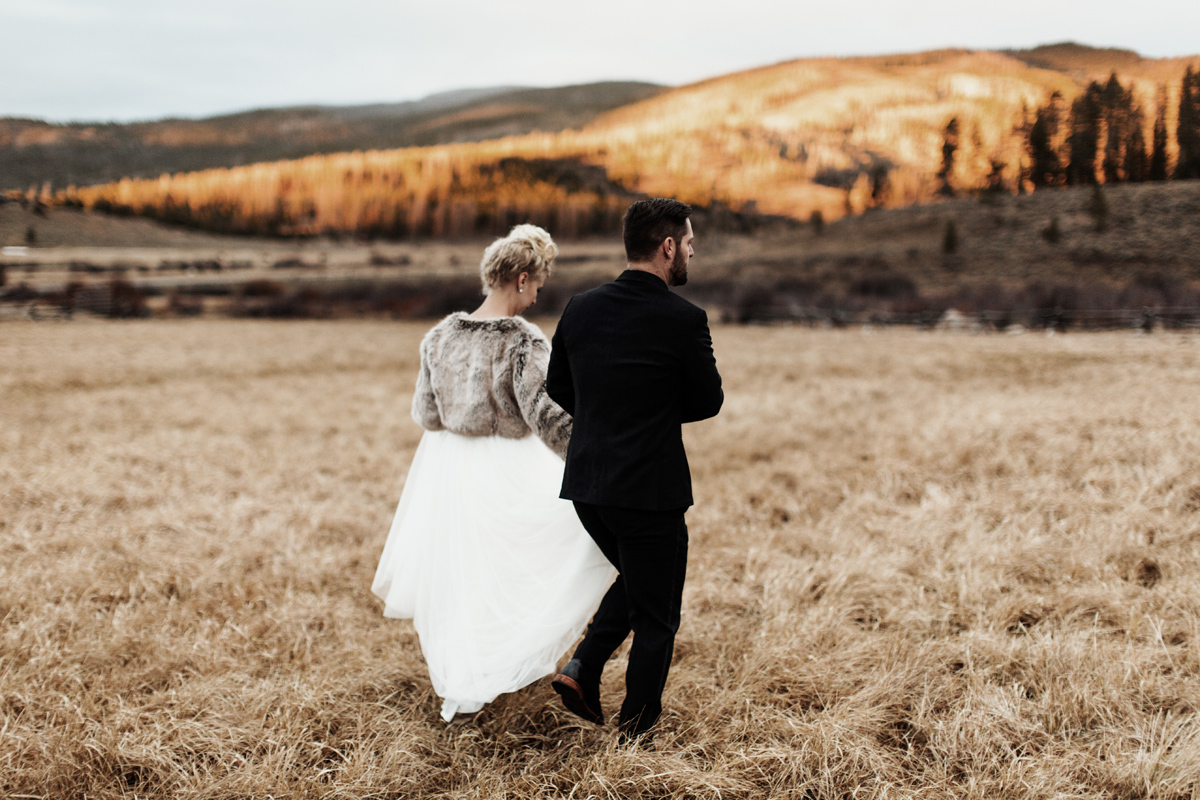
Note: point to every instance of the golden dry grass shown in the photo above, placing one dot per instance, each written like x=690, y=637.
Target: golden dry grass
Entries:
x=921, y=566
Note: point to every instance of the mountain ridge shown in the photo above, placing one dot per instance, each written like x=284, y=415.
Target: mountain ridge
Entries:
x=832, y=136
x=33, y=151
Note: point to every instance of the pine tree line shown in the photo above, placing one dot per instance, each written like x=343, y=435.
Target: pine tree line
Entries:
x=1101, y=139
x=1188, y=134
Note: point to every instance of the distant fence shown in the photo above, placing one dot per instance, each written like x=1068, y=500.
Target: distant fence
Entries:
x=429, y=298
x=1060, y=319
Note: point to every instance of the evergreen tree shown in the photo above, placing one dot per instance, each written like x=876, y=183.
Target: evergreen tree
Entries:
x=1084, y=139
x=1188, y=132
x=949, y=148
x=1113, y=113
x=1157, y=170
x=1045, y=167
x=1136, y=163
x=1125, y=143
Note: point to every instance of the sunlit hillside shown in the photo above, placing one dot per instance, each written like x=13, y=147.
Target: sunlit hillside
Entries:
x=809, y=135
x=830, y=135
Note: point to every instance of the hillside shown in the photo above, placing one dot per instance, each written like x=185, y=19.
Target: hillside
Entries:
x=33, y=152
x=835, y=136
x=1085, y=63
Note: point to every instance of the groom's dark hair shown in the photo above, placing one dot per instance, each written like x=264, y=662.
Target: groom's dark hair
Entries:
x=648, y=222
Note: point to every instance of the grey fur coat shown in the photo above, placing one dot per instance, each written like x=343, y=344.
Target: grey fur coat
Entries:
x=488, y=378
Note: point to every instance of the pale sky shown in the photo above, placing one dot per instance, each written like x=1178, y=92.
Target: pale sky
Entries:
x=146, y=59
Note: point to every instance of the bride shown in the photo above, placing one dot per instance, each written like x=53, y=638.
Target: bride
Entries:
x=496, y=572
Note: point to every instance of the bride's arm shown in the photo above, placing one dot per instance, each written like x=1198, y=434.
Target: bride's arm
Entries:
x=424, y=404
x=544, y=417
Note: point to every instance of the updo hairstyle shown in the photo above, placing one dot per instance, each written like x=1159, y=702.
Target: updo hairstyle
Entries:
x=527, y=248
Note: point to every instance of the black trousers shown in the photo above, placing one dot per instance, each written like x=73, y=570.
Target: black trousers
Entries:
x=649, y=550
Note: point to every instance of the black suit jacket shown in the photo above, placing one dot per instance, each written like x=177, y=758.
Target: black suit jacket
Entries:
x=632, y=362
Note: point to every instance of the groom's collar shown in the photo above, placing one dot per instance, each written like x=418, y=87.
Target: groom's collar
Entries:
x=641, y=276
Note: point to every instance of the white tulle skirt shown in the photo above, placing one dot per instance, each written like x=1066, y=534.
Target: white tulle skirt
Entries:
x=496, y=572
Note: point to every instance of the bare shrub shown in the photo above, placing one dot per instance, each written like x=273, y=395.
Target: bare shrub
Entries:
x=889, y=286
x=950, y=238
x=1052, y=233
x=184, y=305
x=263, y=288
x=86, y=267
x=752, y=301
x=126, y=300
x=21, y=293
x=379, y=260
x=291, y=262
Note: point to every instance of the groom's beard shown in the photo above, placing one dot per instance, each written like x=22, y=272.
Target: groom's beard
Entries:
x=678, y=271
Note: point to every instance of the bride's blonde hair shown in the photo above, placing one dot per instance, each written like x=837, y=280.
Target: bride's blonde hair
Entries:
x=527, y=248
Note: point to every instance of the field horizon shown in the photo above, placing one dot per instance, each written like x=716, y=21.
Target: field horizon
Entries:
x=1033, y=260
x=922, y=566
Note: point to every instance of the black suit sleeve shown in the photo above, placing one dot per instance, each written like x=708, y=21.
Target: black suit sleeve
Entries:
x=702, y=394
x=559, y=384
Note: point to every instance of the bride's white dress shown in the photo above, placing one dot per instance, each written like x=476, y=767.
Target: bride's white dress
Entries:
x=496, y=572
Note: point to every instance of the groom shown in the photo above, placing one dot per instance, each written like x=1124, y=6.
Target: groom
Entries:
x=632, y=362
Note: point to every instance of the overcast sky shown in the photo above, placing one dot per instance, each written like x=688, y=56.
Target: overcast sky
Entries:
x=145, y=59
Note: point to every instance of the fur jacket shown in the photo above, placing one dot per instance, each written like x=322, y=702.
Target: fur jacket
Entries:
x=487, y=377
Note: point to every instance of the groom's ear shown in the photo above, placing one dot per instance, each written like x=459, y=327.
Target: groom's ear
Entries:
x=668, y=247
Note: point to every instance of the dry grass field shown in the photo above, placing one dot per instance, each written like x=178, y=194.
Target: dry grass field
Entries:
x=922, y=566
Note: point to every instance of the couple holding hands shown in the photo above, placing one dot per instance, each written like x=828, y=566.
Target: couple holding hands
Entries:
x=499, y=551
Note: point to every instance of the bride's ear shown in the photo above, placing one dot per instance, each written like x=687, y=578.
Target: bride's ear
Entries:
x=522, y=279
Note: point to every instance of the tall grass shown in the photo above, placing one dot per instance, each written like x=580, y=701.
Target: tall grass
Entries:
x=921, y=566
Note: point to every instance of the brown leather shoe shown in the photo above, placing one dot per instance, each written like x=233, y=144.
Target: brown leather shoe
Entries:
x=580, y=696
